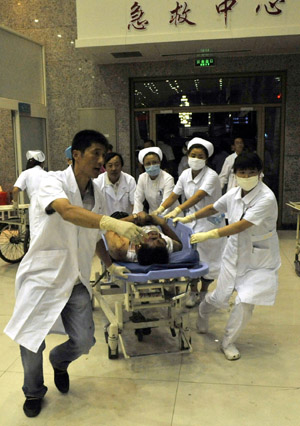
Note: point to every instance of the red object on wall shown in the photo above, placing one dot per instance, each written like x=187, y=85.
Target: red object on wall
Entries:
x=3, y=198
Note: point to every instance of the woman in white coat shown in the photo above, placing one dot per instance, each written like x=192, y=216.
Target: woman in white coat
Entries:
x=251, y=258
x=200, y=186
x=155, y=185
x=117, y=187
x=30, y=180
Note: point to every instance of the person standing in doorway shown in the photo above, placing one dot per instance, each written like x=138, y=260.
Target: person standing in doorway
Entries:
x=227, y=176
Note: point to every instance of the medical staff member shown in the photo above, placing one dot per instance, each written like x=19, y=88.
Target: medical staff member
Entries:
x=227, y=176
x=154, y=185
x=200, y=186
x=251, y=258
x=118, y=187
x=30, y=180
x=52, y=282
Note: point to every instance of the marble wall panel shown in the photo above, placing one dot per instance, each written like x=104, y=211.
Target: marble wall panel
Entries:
x=7, y=152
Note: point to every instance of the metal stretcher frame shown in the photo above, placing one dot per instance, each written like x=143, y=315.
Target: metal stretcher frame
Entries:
x=296, y=207
x=165, y=288
x=14, y=232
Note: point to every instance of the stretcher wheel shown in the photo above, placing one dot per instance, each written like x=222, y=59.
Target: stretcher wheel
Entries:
x=14, y=242
x=114, y=355
x=182, y=344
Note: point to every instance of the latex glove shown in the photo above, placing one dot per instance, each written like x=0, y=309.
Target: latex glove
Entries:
x=185, y=219
x=126, y=229
x=173, y=213
x=158, y=211
x=15, y=205
x=118, y=271
x=203, y=236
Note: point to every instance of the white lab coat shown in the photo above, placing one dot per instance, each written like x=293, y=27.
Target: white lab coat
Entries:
x=30, y=180
x=59, y=255
x=123, y=199
x=226, y=175
x=251, y=258
x=207, y=180
x=154, y=191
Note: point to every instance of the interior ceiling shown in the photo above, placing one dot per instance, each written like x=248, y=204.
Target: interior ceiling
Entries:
x=280, y=45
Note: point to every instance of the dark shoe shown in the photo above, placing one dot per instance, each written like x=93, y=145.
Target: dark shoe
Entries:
x=32, y=406
x=61, y=380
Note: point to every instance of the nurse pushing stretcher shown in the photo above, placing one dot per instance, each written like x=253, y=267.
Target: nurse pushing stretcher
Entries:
x=251, y=258
x=200, y=186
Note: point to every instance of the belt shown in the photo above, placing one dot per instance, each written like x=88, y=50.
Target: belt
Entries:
x=255, y=238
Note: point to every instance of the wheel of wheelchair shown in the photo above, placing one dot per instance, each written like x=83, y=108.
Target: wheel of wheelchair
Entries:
x=111, y=355
x=13, y=243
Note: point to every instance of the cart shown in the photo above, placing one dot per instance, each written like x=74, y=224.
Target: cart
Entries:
x=14, y=232
x=296, y=207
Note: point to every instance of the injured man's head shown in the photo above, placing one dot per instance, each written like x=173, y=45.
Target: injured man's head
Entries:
x=154, y=249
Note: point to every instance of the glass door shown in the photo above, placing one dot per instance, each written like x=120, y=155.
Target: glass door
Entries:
x=220, y=127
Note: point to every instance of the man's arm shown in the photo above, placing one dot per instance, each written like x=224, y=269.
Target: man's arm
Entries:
x=160, y=221
x=87, y=219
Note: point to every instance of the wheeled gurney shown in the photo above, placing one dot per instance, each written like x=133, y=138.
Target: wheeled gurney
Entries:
x=147, y=289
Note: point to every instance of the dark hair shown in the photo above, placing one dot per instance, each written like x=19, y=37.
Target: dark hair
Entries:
x=247, y=160
x=84, y=139
x=198, y=145
x=32, y=162
x=149, y=140
x=111, y=155
x=152, y=255
x=151, y=153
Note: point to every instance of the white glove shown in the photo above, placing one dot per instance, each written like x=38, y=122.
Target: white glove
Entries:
x=118, y=271
x=126, y=229
x=173, y=213
x=203, y=236
x=15, y=205
x=158, y=211
x=185, y=219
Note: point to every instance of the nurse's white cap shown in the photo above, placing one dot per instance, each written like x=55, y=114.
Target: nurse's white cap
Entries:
x=37, y=155
x=146, y=151
x=199, y=141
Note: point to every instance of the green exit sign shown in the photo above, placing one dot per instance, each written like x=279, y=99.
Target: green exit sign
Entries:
x=205, y=62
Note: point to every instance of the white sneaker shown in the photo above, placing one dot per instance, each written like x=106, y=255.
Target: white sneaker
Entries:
x=231, y=352
x=202, y=325
x=192, y=300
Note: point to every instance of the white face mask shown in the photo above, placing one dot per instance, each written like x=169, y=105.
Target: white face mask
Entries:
x=196, y=163
x=247, y=183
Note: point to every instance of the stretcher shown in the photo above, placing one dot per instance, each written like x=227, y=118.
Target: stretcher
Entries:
x=148, y=289
x=296, y=207
x=14, y=232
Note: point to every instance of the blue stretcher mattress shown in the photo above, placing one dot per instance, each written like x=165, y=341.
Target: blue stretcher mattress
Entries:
x=183, y=263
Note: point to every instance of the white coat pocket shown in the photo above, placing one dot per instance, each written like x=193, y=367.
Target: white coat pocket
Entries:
x=261, y=258
x=49, y=267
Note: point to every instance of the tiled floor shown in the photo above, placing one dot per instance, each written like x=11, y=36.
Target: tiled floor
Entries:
x=198, y=388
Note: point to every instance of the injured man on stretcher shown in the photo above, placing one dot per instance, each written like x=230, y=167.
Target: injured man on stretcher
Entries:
x=154, y=249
